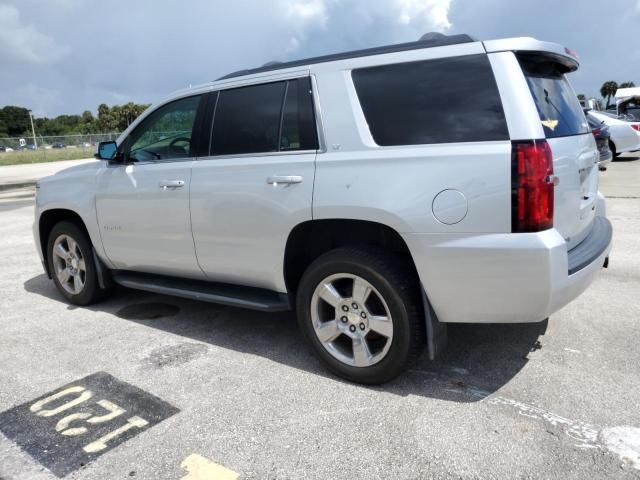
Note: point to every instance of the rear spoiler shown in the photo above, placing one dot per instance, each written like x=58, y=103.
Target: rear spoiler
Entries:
x=560, y=54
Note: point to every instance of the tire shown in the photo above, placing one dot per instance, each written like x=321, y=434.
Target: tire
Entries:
x=61, y=235
x=394, y=294
x=612, y=147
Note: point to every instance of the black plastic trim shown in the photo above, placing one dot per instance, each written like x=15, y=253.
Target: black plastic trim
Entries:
x=437, y=336
x=201, y=143
x=367, y=52
x=592, y=246
x=221, y=293
x=102, y=272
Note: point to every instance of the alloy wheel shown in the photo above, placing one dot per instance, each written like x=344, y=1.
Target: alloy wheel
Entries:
x=351, y=320
x=69, y=264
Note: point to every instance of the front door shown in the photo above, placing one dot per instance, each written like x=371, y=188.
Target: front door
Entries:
x=143, y=204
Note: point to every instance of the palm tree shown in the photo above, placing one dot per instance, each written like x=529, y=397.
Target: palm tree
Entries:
x=627, y=85
x=608, y=90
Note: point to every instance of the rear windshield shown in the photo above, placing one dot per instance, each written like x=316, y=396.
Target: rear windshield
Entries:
x=560, y=112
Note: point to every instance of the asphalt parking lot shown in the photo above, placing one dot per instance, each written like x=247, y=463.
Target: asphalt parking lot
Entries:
x=166, y=388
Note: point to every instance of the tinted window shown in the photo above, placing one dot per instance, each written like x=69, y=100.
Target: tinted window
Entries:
x=247, y=119
x=434, y=101
x=165, y=133
x=265, y=118
x=298, y=122
x=558, y=107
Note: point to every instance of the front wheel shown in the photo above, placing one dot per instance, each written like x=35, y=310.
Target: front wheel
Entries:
x=71, y=264
x=361, y=313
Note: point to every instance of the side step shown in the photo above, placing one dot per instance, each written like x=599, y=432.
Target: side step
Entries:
x=225, y=294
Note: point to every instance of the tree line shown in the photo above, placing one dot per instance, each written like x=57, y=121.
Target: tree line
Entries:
x=15, y=121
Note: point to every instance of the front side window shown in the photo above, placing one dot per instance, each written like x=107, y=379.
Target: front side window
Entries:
x=165, y=133
x=270, y=117
x=443, y=100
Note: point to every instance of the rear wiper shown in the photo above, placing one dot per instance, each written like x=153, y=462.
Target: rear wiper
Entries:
x=548, y=100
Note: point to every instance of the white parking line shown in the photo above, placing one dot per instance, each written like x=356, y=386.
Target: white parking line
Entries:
x=623, y=441
x=201, y=468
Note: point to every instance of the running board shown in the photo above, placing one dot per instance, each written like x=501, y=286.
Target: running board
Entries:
x=221, y=293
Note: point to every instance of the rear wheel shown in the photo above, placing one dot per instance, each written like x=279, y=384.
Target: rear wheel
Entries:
x=612, y=147
x=71, y=263
x=361, y=313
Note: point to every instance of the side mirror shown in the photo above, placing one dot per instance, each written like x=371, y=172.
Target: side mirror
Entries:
x=106, y=151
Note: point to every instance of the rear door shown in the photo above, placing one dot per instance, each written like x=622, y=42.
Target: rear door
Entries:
x=575, y=155
x=256, y=184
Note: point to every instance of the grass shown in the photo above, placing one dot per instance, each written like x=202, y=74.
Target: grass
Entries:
x=41, y=155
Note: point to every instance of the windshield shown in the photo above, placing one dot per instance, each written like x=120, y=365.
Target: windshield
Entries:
x=558, y=107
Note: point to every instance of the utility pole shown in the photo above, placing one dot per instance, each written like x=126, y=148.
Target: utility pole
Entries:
x=33, y=131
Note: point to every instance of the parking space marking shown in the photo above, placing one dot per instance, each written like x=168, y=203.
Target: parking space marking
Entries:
x=201, y=468
x=69, y=427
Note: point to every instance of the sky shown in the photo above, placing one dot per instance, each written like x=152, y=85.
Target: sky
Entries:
x=67, y=56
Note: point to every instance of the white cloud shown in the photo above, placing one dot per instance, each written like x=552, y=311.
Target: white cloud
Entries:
x=361, y=21
x=20, y=43
x=430, y=13
x=306, y=11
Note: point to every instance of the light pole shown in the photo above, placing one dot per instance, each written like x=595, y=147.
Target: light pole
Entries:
x=33, y=131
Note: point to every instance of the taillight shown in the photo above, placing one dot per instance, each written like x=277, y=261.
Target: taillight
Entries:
x=596, y=131
x=532, y=183
x=636, y=126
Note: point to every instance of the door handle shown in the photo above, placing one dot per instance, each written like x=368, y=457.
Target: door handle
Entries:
x=173, y=184
x=284, y=179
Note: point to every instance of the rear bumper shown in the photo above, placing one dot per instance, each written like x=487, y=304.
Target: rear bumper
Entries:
x=506, y=278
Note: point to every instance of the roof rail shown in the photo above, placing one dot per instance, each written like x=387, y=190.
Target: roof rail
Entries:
x=429, y=40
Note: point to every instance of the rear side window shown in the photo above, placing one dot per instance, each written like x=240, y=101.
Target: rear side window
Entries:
x=247, y=119
x=444, y=100
x=298, y=121
x=558, y=107
x=263, y=118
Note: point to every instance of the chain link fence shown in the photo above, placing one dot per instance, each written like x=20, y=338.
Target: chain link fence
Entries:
x=17, y=150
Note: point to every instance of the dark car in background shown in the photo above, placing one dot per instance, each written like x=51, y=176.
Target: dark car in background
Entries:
x=602, y=135
x=58, y=145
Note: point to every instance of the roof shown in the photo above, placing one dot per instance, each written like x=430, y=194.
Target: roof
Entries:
x=624, y=94
x=427, y=41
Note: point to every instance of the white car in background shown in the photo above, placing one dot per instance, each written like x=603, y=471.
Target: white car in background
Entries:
x=625, y=136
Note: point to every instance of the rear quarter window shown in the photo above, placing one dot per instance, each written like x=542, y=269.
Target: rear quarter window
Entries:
x=560, y=112
x=443, y=100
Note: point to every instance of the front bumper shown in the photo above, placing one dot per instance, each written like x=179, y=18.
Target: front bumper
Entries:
x=506, y=278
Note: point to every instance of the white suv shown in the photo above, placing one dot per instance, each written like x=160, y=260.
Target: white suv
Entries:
x=383, y=193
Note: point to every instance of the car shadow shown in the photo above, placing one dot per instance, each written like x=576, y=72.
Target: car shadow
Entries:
x=479, y=359
x=627, y=158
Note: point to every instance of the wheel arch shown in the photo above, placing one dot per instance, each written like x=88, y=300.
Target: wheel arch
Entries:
x=47, y=220
x=312, y=238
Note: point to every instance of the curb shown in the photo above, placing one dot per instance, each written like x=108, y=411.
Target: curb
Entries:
x=14, y=186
